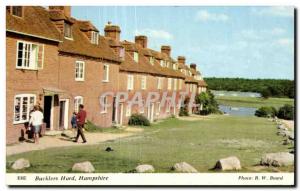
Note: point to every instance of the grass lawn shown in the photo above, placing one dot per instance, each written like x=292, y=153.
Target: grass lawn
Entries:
x=199, y=143
x=253, y=102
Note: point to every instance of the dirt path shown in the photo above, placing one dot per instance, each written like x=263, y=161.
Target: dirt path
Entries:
x=63, y=141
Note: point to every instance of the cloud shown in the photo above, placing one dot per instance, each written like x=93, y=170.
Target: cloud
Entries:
x=277, y=31
x=274, y=11
x=285, y=42
x=203, y=16
x=155, y=34
x=250, y=34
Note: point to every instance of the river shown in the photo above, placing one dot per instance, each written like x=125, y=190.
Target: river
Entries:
x=237, y=111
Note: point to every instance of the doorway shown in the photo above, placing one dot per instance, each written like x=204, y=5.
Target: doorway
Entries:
x=47, y=111
x=120, y=114
x=63, y=113
x=151, y=112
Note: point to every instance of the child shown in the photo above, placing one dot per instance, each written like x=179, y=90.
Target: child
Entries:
x=74, y=123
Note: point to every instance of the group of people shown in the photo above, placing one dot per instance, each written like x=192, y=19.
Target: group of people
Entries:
x=77, y=121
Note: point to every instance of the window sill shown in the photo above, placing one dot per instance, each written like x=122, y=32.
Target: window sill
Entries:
x=32, y=69
x=105, y=81
x=68, y=38
x=79, y=80
x=103, y=112
x=19, y=122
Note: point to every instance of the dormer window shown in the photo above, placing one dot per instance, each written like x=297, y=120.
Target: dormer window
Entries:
x=136, y=57
x=67, y=30
x=122, y=53
x=17, y=11
x=174, y=66
x=94, y=37
x=152, y=60
x=163, y=63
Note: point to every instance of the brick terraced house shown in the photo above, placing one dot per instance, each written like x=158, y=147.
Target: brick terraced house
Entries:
x=59, y=62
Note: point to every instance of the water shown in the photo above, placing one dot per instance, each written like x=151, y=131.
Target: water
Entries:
x=237, y=111
x=235, y=94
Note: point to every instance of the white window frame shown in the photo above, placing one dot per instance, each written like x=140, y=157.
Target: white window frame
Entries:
x=77, y=101
x=94, y=37
x=107, y=73
x=175, y=84
x=152, y=59
x=136, y=57
x=159, y=83
x=30, y=56
x=128, y=110
x=29, y=107
x=71, y=35
x=158, y=108
x=105, y=102
x=162, y=63
x=130, y=82
x=79, y=67
x=143, y=82
x=180, y=84
x=169, y=83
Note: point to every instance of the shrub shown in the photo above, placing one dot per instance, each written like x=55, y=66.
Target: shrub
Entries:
x=286, y=112
x=266, y=112
x=138, y=119
x=91, y=127
x=208, y=102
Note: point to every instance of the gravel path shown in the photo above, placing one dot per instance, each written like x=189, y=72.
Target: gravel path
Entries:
x=63, y=141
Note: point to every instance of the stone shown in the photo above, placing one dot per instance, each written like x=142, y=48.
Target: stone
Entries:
x=144, y=168
x=280, y=126
x=229, y=163
x=287, y=142
x=83, y=167
x=291, y=136
x=183, y=167
x=277, y=159
x=20, y=164
x=282, y=133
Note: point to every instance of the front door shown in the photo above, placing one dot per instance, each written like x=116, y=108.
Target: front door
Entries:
x=47, y=111
x=63, y=114
x=120, y=114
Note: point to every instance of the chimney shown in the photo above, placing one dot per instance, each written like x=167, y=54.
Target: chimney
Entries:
x=166, y=50
x=181, y=59
x=194, y=66
x=112, y=31
x=66, y=10
x=141, y=40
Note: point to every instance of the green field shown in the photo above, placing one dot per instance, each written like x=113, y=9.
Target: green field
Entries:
x=200, y=143
x=253, y=101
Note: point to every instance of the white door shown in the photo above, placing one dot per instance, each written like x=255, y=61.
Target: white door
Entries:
x=64, y=113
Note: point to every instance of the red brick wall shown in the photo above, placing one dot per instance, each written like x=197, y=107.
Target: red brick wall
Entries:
x=27, y=81
x=90, y=89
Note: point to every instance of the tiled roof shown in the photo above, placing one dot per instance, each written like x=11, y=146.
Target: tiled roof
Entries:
x=35, y=22
x=144, y=65
x=202, y=83
x=87, y=26
x=81, y=45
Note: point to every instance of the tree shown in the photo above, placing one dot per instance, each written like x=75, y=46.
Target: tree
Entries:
x=208, y=102
x=286, y=112
x=265, y=93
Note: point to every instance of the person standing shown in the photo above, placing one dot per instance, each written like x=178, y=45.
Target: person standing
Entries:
x=74, y=123
x=36, y=120
x=81, y=116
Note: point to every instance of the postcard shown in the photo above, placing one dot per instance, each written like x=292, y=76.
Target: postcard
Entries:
x=150, y=95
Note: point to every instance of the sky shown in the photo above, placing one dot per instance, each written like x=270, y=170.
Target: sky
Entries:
x=246, y=42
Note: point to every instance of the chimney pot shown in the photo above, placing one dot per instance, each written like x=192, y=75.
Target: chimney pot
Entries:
x=166, y=49
x=66, y=10
x=181, y=59
x=112, y=31
x=194, y=66
x=141, y=40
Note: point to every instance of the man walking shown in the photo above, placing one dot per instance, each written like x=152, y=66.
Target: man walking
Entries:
x=36, y=120
x=81, y=116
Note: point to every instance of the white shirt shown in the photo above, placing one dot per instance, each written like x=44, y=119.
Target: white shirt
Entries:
x=36, y=118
